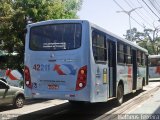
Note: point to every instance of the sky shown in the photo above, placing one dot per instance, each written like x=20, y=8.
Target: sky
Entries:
x=104, y=14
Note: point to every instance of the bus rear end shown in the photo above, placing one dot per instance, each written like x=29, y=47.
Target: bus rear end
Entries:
x=154, y=67
x=56, y=60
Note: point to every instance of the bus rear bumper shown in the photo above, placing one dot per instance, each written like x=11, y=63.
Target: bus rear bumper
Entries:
x=74, y=96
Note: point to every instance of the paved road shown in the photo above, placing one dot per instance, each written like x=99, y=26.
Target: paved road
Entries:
x=149, y=109
x=61, y=109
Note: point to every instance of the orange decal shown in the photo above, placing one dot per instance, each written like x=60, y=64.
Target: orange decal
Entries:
x=129, y=77
x=129, y=72
x=158, y=69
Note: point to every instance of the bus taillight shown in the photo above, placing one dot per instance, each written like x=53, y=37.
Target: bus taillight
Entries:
x=27, y=77
x=82, y=78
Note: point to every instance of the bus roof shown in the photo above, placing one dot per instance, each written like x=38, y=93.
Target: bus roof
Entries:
x=117, y=38
x=56, y=21
x=120, y=39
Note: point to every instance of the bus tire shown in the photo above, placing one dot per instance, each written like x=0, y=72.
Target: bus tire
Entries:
x=120, y=93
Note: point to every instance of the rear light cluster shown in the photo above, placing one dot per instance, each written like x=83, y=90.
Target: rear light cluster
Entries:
x=82, y=78
x=27, y=77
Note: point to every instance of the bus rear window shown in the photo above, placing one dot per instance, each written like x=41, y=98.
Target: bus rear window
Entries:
x=55, y=37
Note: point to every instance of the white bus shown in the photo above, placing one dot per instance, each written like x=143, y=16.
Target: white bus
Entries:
x=154, y=67
x=76, y=60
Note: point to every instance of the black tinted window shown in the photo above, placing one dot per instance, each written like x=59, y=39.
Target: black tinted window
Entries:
x=120, y=53
x=2, y=85
x=99, y=45
x=55, y=37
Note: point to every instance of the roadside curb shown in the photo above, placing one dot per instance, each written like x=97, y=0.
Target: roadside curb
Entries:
x=113, y=114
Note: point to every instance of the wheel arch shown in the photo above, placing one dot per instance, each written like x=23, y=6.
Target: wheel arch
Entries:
x=18, y=94
x=121, y=83
x=143, y=81
x=120, y=92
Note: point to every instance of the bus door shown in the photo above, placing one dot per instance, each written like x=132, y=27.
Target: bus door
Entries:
x=134, y=61
x=112, y=68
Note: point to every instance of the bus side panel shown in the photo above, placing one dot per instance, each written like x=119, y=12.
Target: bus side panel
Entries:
x=99, y=81
x=98, y=78
x=141, y=76
x=125, y=74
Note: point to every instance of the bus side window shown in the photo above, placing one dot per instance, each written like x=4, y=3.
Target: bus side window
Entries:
x=120, y=53
x=139, y=63
x=128, y=55
x=99, y=46
x=95, y=54
x=94, y=46
x=143, y=59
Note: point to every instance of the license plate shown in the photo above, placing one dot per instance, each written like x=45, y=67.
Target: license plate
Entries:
x=53, y=86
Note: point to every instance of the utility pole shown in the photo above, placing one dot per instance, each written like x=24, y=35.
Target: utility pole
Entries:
x=129, y=14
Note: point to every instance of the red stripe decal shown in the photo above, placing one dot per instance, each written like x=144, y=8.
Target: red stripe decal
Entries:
x=58, y=69
x=12, y=77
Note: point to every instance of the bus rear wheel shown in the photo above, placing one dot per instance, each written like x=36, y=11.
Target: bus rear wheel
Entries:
x=120, y=93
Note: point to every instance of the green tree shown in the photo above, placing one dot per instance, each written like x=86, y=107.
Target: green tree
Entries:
x=15, y=14
x=148, y=39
